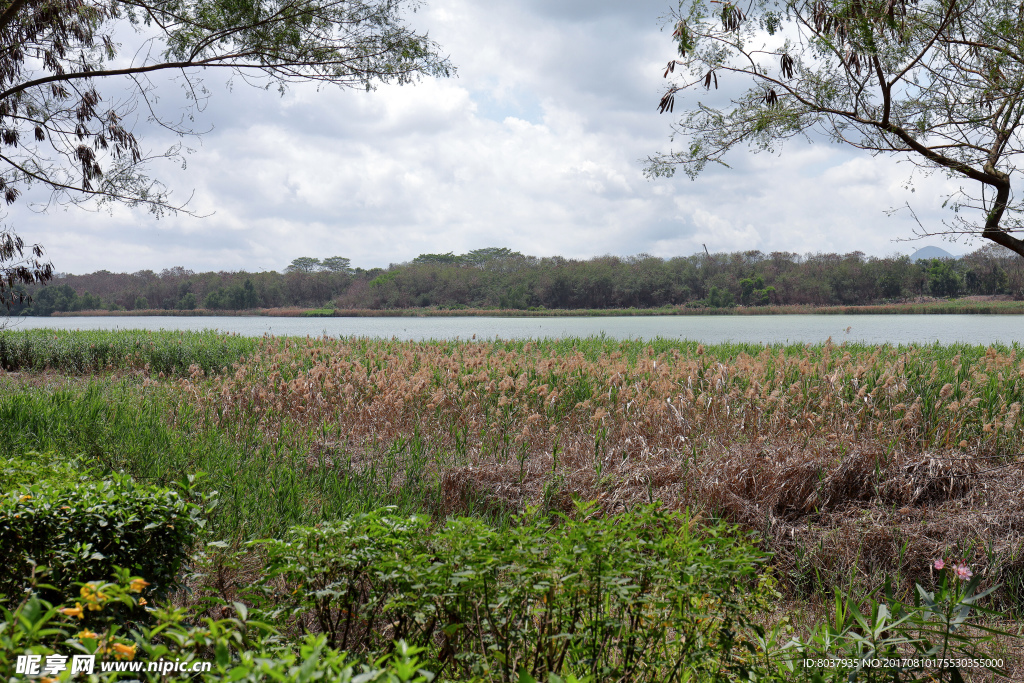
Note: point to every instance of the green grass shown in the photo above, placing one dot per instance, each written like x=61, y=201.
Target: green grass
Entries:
x=75, y=352
x=307, y=473
x=263, y=489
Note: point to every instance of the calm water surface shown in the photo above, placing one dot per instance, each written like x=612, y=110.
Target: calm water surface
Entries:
x=762, y=329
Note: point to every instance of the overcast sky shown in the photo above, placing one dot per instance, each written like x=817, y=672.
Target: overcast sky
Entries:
x=537, y=144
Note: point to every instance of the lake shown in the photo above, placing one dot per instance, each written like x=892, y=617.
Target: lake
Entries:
x=763, y=329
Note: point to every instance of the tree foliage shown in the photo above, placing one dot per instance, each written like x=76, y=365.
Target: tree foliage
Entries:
x=719, y=280
x=336, y=264
x=17, y=270
x=940, y=82
x=303, y=264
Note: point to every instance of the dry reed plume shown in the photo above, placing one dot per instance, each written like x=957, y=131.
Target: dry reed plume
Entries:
x=877, y=457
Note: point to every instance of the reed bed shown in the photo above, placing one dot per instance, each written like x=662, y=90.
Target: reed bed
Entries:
x=846, y=458
x=75, y=351
x=624, y=400
x=850, y=460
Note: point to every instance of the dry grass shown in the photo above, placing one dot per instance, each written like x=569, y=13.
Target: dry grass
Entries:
x=850, y=461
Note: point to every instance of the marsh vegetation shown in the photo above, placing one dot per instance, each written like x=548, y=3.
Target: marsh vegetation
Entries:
x=836, y=469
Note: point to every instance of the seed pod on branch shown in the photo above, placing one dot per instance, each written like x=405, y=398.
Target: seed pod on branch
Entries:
x=731, y=17
x=668, y=101
x=787, y=66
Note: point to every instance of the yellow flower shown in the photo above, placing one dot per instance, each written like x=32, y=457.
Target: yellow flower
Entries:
x=82, y=635
x=75, y=611
x=142, y=601
x=137, y=585
x=122, y=651
x=93, y=596
x=24, y=498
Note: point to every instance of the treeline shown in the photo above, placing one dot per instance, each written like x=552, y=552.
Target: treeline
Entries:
x=501, y=278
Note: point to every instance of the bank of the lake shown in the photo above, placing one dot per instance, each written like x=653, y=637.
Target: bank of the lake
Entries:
x=984, y=329
x=967, y=306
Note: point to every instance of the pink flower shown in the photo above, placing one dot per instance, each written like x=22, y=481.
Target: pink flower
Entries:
x=939, y=564
x=963, y=571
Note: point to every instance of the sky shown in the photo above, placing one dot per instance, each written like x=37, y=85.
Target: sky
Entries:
x=537, y=144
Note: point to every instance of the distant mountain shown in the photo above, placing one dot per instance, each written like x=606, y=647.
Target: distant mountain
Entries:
x=930, y=253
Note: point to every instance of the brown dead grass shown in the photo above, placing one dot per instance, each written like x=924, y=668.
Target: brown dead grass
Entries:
x=848, y=464
x=826, y=517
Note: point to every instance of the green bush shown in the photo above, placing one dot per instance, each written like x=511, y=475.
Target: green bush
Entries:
x=33, y=468
x=636, y=597
x=235, y=648
x=931, y=640
x=86, y=529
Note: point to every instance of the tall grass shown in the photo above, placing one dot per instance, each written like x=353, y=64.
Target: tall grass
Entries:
x=632, y=397
x=846, y=458
x=851, y=460
x=74, y=352
x=263, y=487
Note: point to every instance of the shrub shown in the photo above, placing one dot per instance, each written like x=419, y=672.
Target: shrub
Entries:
x=236, y=648
x=33, y=467
x=85, y=529
x=931, y=640
x=637, y=597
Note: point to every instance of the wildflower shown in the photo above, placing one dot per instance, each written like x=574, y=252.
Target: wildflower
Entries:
x=82, y=635
x=939, y=564
x=75, y=611
x=24, y=498
x=963, y=571
x=137, y=585
x=93, y=596
x=122, y=651
x=142, y=601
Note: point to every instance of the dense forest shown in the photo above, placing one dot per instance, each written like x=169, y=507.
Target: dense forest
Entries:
x=501, y=278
